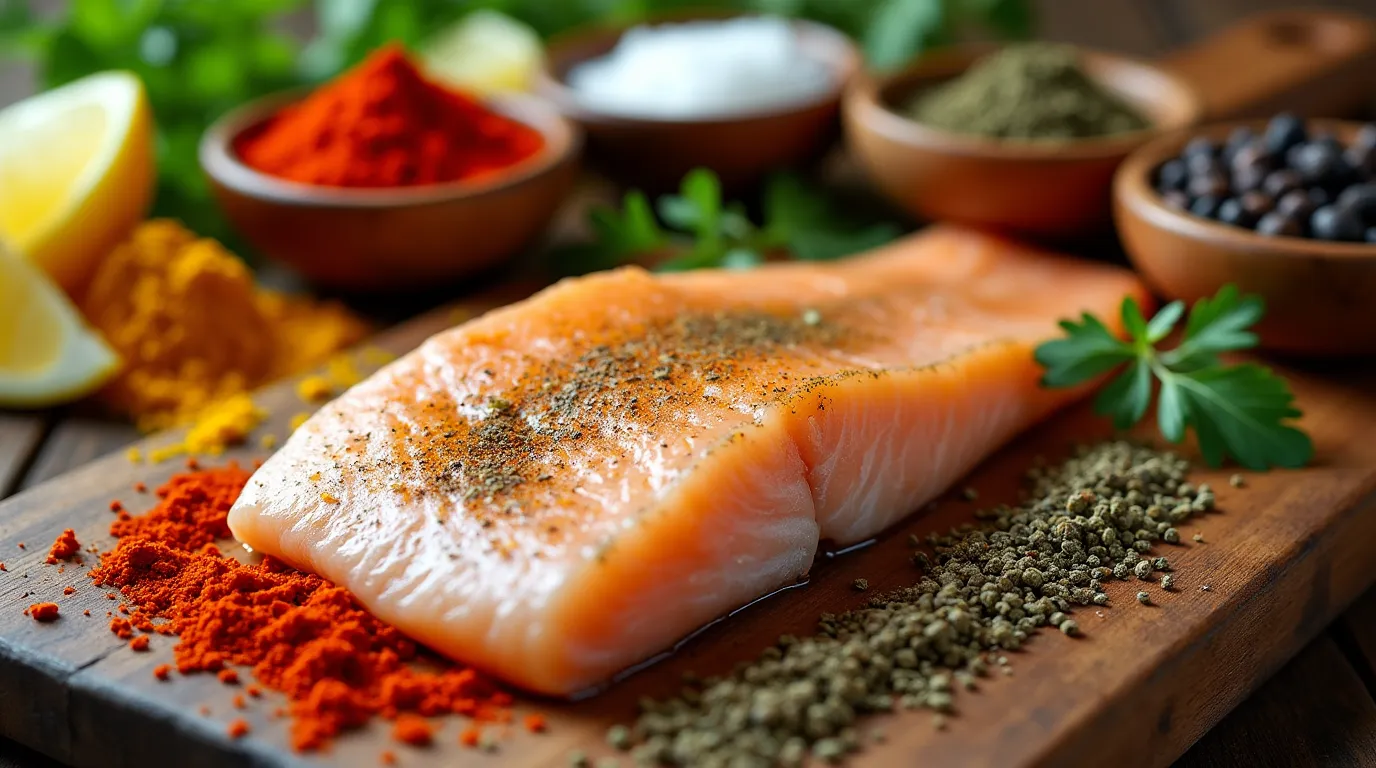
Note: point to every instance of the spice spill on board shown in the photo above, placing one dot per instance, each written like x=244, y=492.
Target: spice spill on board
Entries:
x=238, y=729
x=988, y=588
x=413, y=729
x=338, y=666
x=196, y=333
x=43, y=612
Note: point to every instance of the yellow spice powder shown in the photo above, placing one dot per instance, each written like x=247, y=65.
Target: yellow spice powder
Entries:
x=194, y=329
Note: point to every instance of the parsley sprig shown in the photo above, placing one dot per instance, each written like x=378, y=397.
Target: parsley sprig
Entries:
x=700, y=229
x=1239, y=411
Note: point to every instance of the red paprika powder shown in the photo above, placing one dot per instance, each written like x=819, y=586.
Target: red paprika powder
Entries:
x=383, y=124
x=301, y=635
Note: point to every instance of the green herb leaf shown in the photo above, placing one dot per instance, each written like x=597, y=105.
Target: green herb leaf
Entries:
x=1128, y=396
x=1218, y=325
x=1236, y=411
x=1239, y=411
x=902, y=28
x=1089, y=350
x=705, y=232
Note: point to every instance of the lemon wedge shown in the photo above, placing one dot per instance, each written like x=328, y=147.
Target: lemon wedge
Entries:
x=485, y=52
x=76, y=173
x=47, y=354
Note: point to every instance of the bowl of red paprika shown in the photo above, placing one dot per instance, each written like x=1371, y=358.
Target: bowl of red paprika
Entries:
x=383, y=180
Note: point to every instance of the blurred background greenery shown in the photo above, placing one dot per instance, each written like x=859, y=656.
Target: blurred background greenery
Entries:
x=199, y=58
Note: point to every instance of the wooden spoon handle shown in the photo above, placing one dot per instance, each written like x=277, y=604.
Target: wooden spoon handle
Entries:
x=1312, y=62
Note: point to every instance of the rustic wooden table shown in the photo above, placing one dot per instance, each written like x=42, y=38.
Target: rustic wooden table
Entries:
x=1318, y=710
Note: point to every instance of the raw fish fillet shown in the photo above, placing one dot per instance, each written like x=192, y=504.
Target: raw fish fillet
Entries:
x=566, y=486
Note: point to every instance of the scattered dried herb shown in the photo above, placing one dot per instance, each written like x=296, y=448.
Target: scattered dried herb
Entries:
x=988, y=588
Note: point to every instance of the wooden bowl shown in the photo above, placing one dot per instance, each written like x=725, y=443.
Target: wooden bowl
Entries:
x=1320, y=295
x=1042, y=189
x=392, y=239
x=655, y=153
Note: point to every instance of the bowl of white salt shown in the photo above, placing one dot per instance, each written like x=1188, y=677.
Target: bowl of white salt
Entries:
x=741, y=95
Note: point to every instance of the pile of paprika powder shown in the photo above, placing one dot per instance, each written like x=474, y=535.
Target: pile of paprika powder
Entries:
x=337, y=664
x=384, y=124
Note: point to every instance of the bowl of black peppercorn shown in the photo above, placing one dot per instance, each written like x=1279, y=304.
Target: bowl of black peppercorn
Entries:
x=1284, y=208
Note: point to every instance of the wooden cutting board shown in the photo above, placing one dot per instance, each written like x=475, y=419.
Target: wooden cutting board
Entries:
x=1283, y=556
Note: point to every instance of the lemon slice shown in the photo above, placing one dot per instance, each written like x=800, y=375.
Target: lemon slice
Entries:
x=47, y=354
x=484, y=53
x=76, y=173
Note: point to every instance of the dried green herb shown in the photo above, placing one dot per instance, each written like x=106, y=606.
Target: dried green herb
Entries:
x=1028, y=91
x=988, y=588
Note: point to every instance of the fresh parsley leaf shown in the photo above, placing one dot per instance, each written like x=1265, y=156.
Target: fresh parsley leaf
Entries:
x=1242, y=411
x=1128, y=396
x=1218, y=325
x=1239, y=411
x=619, y=236
x=804, y=220
x=703, y=231
x=1089, y=350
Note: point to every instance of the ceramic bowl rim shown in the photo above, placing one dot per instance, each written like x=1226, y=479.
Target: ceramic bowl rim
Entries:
x=563, y=141
x=865, y=103
x=1132, y=190
x=845, y=65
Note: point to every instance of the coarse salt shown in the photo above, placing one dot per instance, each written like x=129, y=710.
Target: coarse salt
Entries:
x=702, y=69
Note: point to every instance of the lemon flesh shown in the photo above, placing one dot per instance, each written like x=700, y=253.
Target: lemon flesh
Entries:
x=76, y=173
x=486, y=52
x=47, y=354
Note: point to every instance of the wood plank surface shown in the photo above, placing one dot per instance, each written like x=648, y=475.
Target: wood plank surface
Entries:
x=1319, y=660
x=20, y=438
x=1287, y=552
x=1315, y=713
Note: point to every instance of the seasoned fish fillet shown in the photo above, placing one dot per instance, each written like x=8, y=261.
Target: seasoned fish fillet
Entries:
x=567, y=486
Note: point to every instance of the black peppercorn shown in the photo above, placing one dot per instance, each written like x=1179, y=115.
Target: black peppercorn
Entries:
x=1295, y=203
x=1283, y=132
x=1366, y=136
x=1254, y=155
x=1209, y=185
x=1371, y=234
x=1361, y=200
x=1334, y=223
x=1280, y=182
x=1362, y=158
x=1249, y=178
x=1257, y=203
x=1319, y=196
x=1231, y=211
x=1239, y=138
x=1200, y=146
x=1172, y=175
x=1205, y=205
x=1316, y=161
x=1201, y=164
x=1277, y=224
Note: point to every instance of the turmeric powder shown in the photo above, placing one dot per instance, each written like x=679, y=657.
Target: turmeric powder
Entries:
x=193, y=328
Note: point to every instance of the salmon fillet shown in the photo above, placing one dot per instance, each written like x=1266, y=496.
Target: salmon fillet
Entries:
x=566, y=486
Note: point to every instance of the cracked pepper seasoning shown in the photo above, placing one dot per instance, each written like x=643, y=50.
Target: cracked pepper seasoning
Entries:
x=383, y=124
x=338, y=665
x=988, y=589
